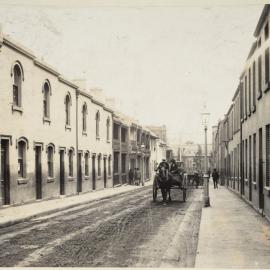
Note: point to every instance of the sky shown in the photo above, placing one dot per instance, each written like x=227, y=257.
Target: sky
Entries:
x=163, y=61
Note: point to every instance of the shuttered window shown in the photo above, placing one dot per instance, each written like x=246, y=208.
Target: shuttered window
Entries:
x=249, y=90
x=267, y=65
x=254, y=157
x=267, y=155
x=254, y=84
x=259, y=76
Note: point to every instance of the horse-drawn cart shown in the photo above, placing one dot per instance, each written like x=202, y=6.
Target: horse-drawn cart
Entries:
x=165, y=184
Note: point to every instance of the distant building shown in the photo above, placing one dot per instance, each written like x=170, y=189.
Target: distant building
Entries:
x=160, y=131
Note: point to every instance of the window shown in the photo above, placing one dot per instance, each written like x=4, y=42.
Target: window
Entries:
x=267, y=155
x=97, y=124
x=108, y=126
x=50, y=151
x=17, y=86
x=259, y=76
x=86, y=169
x=249, y=90
x=267, y=65
x=116, y=131
x=99, y=165
x=123, y=135
x=109, y=166
x=84, y=113
x=46, y=100
x=68, y=104
x=245, y=95
x=22, y=159
x=259, y=42
x=246, y=159
x=254, y=84
x=266, y=32
x=70, y=163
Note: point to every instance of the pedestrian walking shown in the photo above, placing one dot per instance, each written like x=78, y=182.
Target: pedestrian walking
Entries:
x=137, y=176
x=131, y=176
x=215, y=177
x=196, y=179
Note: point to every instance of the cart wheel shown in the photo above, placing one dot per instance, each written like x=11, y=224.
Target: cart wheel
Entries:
x=184, y=194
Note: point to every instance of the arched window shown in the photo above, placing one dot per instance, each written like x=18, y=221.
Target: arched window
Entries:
x=84, y=113
x=50, y=151
x=68, y=104
x=22, y=159
x=46, y=99
x=17, y=85
x=108, y=126
x=97, y=124
x=70, y=163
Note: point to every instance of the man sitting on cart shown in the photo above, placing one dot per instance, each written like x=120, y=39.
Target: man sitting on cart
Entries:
x=174, y=173
x=163, y=170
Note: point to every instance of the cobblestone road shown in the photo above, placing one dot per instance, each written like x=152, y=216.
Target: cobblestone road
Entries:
x=124, y=231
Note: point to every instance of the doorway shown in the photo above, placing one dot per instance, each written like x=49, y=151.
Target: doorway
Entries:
x=105, y=172
x=79, y=181
x=62, y=172
x=94, y=172
x=5, y=173
x=261, y=195
x=38, y=172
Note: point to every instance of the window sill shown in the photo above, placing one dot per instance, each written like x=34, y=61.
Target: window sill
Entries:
x=16, y=108
x=249, y=113
x=84, y=133
x=98, y=138
x=86, y=177
x=99, y=178
x=108, y=141
x=266, y=87
x=246, y=182
x=50, y=179
x=68, y=127
x=71, y=178
x=46, y=120
x=253, y=108
x=267, y=189
x=259, y=96
x=22, y=181
x=245, y=117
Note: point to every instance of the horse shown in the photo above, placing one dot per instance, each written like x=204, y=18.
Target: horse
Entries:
x=163, y=182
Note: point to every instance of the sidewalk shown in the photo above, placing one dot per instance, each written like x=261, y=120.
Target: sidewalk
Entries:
x=12, y=215
x=232, y=234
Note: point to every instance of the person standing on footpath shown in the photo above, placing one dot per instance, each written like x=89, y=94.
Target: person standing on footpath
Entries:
x=215, y=177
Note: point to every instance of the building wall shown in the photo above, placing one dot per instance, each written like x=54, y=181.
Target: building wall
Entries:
x=29, y=124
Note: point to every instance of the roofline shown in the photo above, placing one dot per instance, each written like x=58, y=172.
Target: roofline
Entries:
x=236, y=93
x=264, y=14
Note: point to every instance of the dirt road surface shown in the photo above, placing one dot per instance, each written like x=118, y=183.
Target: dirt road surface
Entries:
x=128, y=230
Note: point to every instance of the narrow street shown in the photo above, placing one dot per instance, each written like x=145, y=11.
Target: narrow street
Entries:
x=128, y=230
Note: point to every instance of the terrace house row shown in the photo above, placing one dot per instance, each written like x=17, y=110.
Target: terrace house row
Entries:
x=56, y=138
x=242, y=139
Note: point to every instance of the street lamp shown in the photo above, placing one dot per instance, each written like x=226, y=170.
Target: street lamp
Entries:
x=142, y=149
x=205, y=120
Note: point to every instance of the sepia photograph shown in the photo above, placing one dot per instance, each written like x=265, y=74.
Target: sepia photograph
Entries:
x=135, y=134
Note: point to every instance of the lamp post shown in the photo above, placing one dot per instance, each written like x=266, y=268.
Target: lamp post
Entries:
x=143, y=169
x=205, y=119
